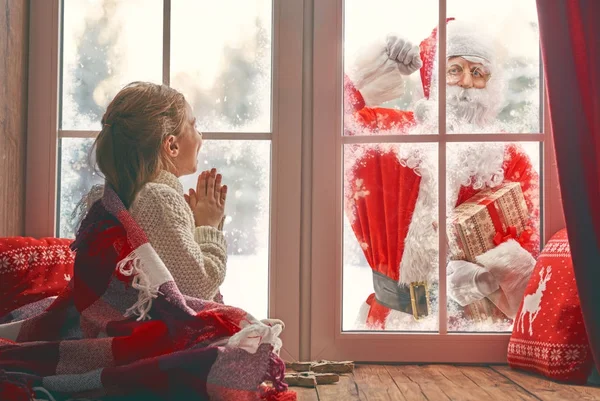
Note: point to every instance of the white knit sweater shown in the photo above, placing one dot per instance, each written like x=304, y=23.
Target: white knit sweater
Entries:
x=195, y=256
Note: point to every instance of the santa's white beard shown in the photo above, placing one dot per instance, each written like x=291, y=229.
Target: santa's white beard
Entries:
x=471, y=106
x=467, y=110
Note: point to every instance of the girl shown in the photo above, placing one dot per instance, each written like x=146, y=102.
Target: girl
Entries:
x=148, y=140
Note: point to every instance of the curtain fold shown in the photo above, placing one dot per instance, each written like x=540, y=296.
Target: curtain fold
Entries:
x=570, y=38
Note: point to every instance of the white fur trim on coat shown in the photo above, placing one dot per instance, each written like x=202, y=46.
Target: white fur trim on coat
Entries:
x=420, y=259
x=376, y=76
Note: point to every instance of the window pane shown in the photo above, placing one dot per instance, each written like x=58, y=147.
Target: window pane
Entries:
x=494, y=236
x=379, y=72
x=76, y=178
x=245, y=166
x=493, y=79
x=221, y=61
x=106, y=45
x=390, y=236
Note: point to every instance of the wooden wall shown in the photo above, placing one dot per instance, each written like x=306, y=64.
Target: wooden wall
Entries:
x=14, y=47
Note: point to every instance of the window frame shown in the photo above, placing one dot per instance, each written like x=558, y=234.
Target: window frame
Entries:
x=328, y=341
x=43, y=136
x=306, y=215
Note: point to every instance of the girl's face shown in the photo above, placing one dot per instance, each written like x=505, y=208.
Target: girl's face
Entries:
x=183, y=149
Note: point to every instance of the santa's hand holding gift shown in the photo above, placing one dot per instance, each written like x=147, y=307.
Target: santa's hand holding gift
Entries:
x=391, y=191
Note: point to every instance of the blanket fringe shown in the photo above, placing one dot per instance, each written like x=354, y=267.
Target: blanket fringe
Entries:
x=276, y=373
x=271, y=394
x=132, y=265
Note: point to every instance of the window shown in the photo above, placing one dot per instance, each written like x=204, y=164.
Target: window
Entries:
x=269, y=81
x=404, y=162
x=226, y=80
x=225, y=57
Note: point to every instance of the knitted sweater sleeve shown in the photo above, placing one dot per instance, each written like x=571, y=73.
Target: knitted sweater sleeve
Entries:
x=195, y=256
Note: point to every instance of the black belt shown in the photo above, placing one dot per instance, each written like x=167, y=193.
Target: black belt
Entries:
x=412, y=299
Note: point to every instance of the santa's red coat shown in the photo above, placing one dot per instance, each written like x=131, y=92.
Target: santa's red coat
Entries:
x=517, y=167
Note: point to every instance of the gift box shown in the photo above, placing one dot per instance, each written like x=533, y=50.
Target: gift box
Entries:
x=484, y=310
x=483, y=222
x=488, y=219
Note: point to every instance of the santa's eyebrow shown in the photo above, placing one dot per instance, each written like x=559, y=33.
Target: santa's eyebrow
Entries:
x=481, y=67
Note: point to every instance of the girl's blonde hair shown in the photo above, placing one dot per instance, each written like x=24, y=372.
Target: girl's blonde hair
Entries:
x=136, y=122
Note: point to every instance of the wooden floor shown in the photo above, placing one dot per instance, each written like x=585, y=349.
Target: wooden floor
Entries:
x=444, y=383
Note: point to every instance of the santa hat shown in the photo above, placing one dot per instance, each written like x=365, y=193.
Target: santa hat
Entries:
x=462, y=40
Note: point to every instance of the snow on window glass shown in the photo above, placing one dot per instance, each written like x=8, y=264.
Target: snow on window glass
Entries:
x=221, y=62
x=220, y=58
x=494, y=238
x=245, y=166
x=390, y=236
x=77, y=176
x=498, y=88
x=391, y=87
x=493, y=74
x=106, y=45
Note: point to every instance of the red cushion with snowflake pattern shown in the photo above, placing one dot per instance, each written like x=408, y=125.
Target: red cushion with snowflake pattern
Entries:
x=32, y=269
x=549, y=335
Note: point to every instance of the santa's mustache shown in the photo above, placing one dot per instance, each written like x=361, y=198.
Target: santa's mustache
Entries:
x=471, y=105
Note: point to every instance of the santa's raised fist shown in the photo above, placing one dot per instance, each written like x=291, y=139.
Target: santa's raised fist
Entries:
x=404, y=53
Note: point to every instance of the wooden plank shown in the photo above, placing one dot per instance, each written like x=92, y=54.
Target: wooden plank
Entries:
x=344, y=390
x=454, y=384
x=416, y=384
x=548, y=390
x=496, y=385
x=305, y=394
x=375, y=384
x=14, y=50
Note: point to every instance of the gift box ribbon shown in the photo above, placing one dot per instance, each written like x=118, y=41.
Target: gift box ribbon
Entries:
x=511, y=231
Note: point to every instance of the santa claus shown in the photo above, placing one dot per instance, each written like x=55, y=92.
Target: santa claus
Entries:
x=391, y=197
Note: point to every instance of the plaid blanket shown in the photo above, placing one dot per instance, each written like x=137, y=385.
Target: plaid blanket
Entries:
x=123, y=328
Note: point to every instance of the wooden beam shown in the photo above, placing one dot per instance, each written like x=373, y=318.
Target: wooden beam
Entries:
x=14, y=49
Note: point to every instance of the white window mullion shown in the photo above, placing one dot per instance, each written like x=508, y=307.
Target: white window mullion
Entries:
x=223, y=136
x=442, y=243
x=286, y=172
x=167, y=42
x=446, y=138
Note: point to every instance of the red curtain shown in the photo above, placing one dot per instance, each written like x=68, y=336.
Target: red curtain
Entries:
x=570, y=36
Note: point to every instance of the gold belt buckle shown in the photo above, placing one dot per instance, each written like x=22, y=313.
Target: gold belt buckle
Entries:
x=417, y=288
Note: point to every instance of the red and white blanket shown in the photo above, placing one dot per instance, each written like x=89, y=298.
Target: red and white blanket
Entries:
x=122, y=328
